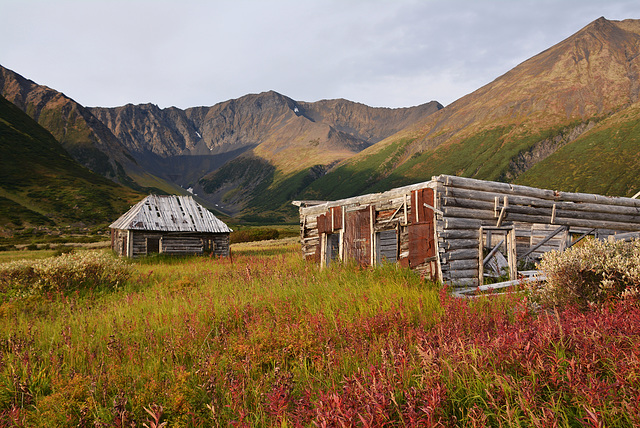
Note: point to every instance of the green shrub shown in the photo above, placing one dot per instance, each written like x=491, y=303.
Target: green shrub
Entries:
x=590, y=274
x=62, y=249
x=259, y=234
x=69, y=271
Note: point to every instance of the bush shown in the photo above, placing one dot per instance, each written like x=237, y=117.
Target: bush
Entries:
x=590, y=274
x=62, y=249
x=69, y=271
x=251, y=235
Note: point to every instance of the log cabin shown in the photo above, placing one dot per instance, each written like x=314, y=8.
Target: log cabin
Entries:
x=169, y=225
x=460, y=231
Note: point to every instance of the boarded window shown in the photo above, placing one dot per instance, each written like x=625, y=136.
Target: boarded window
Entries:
x=336, y=215
x=333, y=248
x=387, y=246
x=330, y=221
x=324, y=224
x=357, y=236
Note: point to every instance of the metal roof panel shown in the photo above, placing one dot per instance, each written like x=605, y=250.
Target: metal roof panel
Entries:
x=170, y=214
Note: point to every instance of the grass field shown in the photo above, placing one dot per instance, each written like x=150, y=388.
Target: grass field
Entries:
x=266, y=339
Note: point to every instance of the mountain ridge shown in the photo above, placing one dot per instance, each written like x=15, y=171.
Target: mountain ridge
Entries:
x=564, y=90
x=253, y=154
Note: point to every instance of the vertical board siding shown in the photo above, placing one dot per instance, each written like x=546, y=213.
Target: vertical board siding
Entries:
x=357, y=236
x=387, y=248
x=336, y=215
x=422, y=246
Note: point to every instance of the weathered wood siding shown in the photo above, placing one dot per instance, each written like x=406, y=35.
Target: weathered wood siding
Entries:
x=467, y=204
x=373, y=228
x=438, y=224
x=357, y=236
x=140, y=243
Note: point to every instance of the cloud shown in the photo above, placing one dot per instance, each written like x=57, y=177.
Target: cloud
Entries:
x=189, y=52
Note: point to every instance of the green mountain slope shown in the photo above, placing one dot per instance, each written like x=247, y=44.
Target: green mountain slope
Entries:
x=524, y=126
x=604, y=160
x=41, y=185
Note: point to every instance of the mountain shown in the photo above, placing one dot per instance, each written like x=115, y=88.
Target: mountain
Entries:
x=41, y=185
x=255, y=148
x=566, y=118
x=243, y=157
x=82, y=135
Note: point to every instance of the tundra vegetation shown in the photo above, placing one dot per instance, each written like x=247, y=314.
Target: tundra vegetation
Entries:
x=266, y=339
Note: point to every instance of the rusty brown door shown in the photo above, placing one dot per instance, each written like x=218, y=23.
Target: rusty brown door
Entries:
x=357, y=236
x=420, y=230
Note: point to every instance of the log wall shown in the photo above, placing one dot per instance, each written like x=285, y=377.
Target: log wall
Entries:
x=136, y=243
x=460, y=208
x=467, y=204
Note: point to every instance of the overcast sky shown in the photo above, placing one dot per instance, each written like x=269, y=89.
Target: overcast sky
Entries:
x=185, y=53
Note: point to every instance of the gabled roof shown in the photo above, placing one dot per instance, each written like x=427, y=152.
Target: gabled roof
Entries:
x=170, y=214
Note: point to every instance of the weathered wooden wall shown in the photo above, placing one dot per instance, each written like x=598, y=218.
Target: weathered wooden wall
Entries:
x=147, y=242
x=438, y=224
x=361, y=221
x=468, y=204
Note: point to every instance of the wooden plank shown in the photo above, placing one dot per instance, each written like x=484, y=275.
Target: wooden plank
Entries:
x=462, y=282
x=539, y=244
x=460, y=254
x=463, y=273
x=456, y=244
x=479, y=199
x=461, y=264
x=462, y=223
x=459, y=234
x=357, y=236
x=513, y=189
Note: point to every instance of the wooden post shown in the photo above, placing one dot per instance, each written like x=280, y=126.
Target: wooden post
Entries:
x=323, y=250
x=344, y=226
x=553, y=214
x=481, y=258
x=129, y=243
x=513, y=257
x=503, y=211
x=372, y=218
x=406, y=218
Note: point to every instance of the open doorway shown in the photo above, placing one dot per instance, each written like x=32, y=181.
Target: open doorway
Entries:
x=497, y=254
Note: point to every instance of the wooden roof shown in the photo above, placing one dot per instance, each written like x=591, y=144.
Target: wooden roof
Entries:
x=170, y=214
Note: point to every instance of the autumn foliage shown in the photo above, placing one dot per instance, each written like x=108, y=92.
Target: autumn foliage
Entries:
x=269, y=340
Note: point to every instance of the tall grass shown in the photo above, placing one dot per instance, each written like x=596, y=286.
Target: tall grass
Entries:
x=269, y=340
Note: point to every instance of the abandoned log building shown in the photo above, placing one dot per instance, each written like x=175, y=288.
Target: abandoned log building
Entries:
x=460, y=230
x=169, y=225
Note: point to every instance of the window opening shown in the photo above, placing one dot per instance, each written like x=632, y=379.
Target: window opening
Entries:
x=387, y=246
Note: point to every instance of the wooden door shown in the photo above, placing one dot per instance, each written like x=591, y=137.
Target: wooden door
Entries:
x=357, y=236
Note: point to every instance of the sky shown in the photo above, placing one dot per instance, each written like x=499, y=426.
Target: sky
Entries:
x=186, y=53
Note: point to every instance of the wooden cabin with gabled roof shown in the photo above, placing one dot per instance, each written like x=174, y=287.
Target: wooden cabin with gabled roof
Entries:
x=169, y=225
x=461, y=231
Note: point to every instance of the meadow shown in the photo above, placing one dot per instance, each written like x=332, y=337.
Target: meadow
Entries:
x=265, y=339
